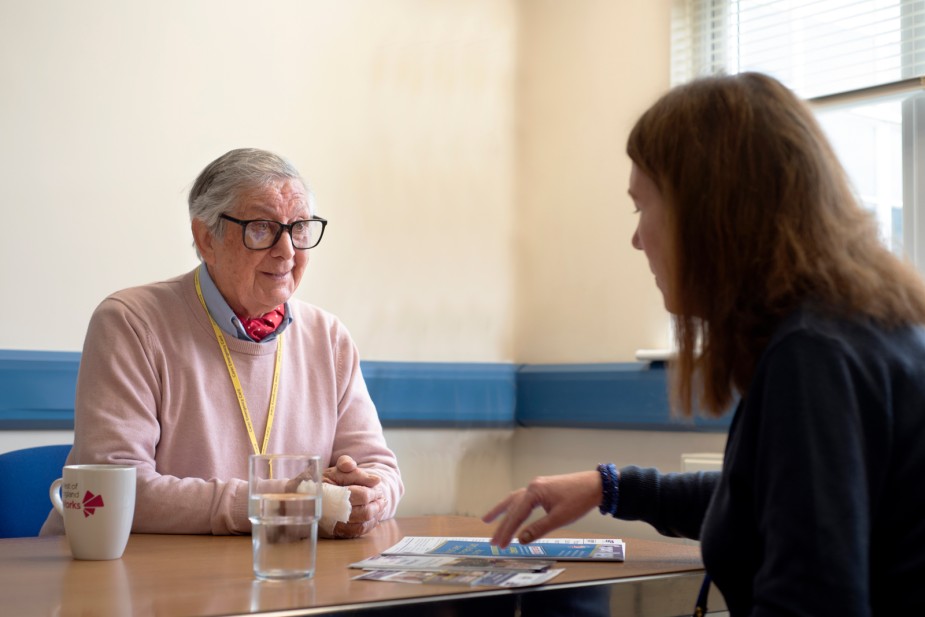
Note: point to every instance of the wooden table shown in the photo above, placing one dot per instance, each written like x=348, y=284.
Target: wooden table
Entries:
x=210, y=575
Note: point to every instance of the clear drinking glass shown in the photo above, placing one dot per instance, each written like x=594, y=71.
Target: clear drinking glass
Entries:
x=284, y=508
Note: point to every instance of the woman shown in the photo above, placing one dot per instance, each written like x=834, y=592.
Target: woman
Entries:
x=187, y=377
x=785, y=299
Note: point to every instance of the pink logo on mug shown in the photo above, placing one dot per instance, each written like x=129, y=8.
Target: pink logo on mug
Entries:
x=91, y=503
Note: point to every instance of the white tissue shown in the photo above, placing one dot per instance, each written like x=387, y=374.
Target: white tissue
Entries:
x=335, y=505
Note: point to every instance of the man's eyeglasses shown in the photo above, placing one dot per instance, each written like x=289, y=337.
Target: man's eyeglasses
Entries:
x=259, y=234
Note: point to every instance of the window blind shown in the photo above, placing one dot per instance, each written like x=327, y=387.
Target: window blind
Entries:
x=817, y=47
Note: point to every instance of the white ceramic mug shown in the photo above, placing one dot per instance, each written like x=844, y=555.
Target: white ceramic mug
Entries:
x=98, y=505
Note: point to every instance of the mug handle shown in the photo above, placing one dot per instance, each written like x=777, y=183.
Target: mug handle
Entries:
x=55, y=494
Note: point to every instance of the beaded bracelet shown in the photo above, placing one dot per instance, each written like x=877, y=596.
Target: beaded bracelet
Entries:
x=610, y=481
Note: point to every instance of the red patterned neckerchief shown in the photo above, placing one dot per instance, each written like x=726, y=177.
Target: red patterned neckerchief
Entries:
x=259, y=327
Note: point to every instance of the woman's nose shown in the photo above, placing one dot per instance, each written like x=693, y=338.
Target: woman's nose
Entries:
x=636, y=243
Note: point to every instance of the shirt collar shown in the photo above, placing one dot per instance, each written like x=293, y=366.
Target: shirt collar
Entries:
x=225, y=317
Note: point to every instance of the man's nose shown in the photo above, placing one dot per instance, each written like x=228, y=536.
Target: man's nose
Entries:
x=284, y=244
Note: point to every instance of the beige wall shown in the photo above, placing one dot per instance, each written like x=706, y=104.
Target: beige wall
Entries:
x=468, y=154
x=588, y=70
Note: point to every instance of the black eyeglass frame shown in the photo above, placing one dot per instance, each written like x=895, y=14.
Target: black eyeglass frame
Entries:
x=279, y=231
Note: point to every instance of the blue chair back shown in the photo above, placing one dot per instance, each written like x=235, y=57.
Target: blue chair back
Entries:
x=25, y=477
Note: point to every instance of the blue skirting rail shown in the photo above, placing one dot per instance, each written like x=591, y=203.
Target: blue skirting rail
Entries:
x=432, y=394
x=37, y=389
x=37, y=393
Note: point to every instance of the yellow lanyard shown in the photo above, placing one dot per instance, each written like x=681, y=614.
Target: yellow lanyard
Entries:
x=242, y=403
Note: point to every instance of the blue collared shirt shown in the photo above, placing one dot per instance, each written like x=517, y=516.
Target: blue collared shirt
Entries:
x=225, y=317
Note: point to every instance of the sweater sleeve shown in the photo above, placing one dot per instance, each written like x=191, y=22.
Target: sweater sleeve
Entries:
x=359, y=431
x=119, y=390
x=673, y=503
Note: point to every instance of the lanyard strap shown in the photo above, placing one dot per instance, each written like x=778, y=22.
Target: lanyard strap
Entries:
x=229, y=363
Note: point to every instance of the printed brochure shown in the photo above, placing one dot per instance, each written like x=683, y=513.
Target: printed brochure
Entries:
x=468, y=579
x=558, y=549
x=453, y=564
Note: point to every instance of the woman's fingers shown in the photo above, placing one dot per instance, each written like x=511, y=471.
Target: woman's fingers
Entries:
x=565, y=498
x=519, y=506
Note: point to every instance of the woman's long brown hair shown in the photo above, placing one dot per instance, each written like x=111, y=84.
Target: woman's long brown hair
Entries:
x=763, y=218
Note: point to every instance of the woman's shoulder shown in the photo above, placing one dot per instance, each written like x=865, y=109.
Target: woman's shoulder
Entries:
x=811, y=332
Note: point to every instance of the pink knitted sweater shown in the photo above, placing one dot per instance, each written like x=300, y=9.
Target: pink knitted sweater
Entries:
x=153, y=391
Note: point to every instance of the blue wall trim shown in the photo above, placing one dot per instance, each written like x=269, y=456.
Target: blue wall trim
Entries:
x=631, y=395
x=426, y=394
x=37, y=393
x=37, y=389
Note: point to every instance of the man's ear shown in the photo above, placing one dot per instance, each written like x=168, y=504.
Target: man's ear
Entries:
x=203, y=238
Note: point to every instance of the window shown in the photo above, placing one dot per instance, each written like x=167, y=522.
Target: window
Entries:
x=859, y=62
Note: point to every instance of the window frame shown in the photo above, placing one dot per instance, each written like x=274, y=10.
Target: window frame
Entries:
x=707, y=48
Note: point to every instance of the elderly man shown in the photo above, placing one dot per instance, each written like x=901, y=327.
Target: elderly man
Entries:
x=187, y=377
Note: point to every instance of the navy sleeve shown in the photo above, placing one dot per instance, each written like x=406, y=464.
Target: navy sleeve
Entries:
x=673, y=503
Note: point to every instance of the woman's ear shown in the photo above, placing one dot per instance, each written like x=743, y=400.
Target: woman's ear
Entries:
x=203, y=238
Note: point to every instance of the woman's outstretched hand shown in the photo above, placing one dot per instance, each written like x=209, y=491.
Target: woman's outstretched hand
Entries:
x=565, y=498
